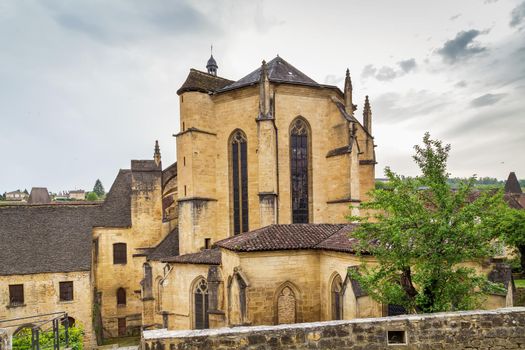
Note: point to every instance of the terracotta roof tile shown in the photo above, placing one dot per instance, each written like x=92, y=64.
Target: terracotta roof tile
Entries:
x=205, y=257
x=292, y=236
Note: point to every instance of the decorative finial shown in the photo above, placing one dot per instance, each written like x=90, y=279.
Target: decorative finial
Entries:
x=156, y=154
x=349, y=106
x=348, y=72
x=211, y=49
x=212, y=66
x=367, y=116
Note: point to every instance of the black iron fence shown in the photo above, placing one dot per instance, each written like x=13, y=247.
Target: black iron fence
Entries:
x=40, y=326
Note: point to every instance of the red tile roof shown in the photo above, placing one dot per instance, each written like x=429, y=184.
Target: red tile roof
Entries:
x=293, y=236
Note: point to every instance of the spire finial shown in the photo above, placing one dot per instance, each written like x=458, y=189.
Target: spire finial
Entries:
x=156, y=153
x=367, y=116
x=212, y=66
x=349, y=106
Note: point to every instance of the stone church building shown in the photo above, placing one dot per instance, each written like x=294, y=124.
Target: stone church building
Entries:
x=248, y=227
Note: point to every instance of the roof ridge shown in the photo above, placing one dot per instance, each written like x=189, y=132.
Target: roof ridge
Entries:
x=209, y=75
x=326, y=238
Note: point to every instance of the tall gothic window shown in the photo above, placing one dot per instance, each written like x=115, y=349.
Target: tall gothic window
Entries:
x=239, y=168
x=299, y=170
x=337, y=298
x=200, y=301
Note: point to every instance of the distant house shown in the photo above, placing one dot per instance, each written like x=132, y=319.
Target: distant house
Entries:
x=77, y=195
x=16, y=196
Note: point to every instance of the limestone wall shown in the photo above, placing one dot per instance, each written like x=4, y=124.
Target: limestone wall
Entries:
x=41, y=296
x=498, y=329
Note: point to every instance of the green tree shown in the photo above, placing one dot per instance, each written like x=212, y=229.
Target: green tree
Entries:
x=421, y=233
x=510, y=224
x=99, y=189
x=92, y=196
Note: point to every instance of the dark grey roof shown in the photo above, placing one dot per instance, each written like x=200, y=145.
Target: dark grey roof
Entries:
x=512, y=185
x=205, y=257
x=168, y=247
x=293, y=236
x=202, y=82
x=58, y=238
x=39, y=195
x=279, y=71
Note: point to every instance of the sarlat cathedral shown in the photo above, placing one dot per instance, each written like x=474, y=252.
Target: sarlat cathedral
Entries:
x=248, y=227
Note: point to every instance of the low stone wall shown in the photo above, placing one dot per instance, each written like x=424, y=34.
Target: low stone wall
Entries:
x=496, y=329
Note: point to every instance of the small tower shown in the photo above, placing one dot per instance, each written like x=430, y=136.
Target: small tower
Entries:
x=211, y=66
x=348, y=94
x=156, y=154
x=367, y=116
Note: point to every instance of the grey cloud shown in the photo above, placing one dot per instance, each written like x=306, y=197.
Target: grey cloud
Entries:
x=455, y=17
x=487, y=100
x=134, y=19
x=461, y=84
x=368, y=71
x=517, y=15
x=414, y=104
x=387, y=73
x=490, y=1
x=408, y=65
x=461, y=47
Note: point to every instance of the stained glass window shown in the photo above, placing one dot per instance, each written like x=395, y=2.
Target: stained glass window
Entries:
x=239, y=181
x=299, y=170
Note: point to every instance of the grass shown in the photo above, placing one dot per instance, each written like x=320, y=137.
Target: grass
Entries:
x=520, y=283
x=122, y=341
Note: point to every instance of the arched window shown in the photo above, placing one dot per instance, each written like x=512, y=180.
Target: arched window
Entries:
x=147, y=282
x=299, y=168
x=239, y=172
x=337, y=298
x=121, y=297
x=286, y=306
x=200, y=303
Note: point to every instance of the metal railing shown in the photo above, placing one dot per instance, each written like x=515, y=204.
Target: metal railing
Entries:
x=38, y=322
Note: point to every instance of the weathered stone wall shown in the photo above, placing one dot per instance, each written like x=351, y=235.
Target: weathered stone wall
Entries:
x=41, y=296
x=203, y=159
x=498, y=329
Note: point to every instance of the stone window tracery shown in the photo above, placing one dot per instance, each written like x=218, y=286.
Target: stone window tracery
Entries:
x=239, y=171
x=200, y=303
x=299, y=168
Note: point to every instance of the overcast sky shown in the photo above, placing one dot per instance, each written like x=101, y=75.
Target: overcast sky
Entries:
x=85, y=86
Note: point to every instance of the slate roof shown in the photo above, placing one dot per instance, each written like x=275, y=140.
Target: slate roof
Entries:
x=202, y=82
x=279, y=71
x=333, y=237
x=204, y=257
x=169, y=247
x=512, y=185
x=58, y=238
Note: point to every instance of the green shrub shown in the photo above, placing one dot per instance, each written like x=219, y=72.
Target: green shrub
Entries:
x=22, y=340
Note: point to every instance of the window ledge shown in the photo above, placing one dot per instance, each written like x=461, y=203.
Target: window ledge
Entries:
x=66, y=301
x=12, y=306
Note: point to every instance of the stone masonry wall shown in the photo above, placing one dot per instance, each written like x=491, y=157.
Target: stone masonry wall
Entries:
x=497, y=329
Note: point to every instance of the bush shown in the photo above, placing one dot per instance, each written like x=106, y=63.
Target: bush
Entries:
x=22, y=340
x=92, y=196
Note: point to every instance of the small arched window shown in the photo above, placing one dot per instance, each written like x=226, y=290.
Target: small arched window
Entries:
x=337, y=298
x=239, y=175
x=200, y=304
x=121, y=296
x=299, y=169
x=120, y=253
